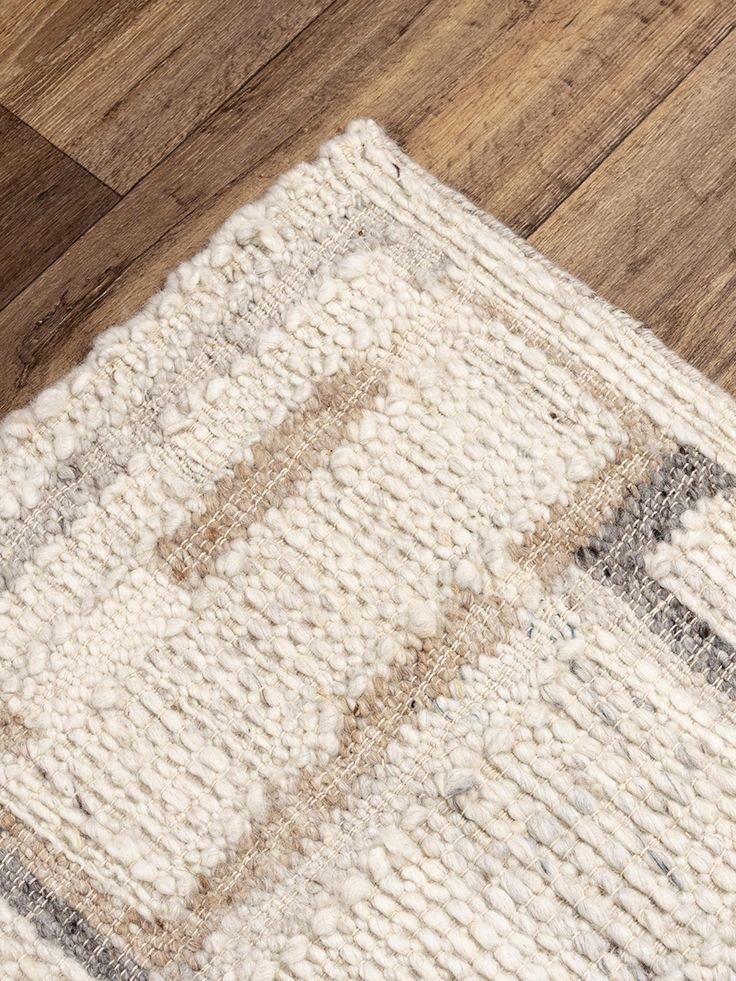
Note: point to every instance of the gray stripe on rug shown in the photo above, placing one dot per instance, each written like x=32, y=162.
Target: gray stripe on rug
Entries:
x=57, y=922
x=615, y=556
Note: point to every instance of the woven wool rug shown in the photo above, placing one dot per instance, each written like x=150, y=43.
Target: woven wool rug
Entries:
x=368, y=611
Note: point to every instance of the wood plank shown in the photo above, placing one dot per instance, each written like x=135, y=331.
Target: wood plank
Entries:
x=654, y=228
x=118, y=85
x=401, y=61
x=46, y=202
x=547, y=104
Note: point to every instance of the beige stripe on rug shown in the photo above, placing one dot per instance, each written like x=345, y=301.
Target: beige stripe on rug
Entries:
x=367, y=612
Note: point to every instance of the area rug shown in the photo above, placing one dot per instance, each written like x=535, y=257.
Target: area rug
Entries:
x=368, y=611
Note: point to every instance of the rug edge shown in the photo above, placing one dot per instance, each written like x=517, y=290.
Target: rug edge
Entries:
x=710, y=405
x=365, y=139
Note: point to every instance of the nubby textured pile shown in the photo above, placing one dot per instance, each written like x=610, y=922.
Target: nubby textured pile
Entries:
x=368, y=610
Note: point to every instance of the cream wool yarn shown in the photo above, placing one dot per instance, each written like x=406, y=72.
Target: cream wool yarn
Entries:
x=367, y=612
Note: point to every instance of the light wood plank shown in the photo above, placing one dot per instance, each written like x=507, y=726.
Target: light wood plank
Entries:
x=654, y=228
x=118, y=85
x=546, y=103
x=405, y=62
x=46, y=202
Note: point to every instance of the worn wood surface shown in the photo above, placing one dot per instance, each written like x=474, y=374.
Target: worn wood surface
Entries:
x=603, y=130
x=46, y=202
x=118, y=85
x=655, y=226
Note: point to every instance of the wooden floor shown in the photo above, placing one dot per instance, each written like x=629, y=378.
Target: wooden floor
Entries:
x=603, y=130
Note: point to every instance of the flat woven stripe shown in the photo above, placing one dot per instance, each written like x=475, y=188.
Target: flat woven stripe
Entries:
x=368, y=611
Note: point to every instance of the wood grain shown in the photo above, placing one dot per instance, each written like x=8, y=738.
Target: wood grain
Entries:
x=653, y=228
x=117, y=85
x=553, y=96
x=46, y=202
x=517, y=103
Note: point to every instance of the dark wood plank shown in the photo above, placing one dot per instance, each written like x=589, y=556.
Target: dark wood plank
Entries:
x=46, y=202
x=405, y=62
x=654, y=228
x=117, y=85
